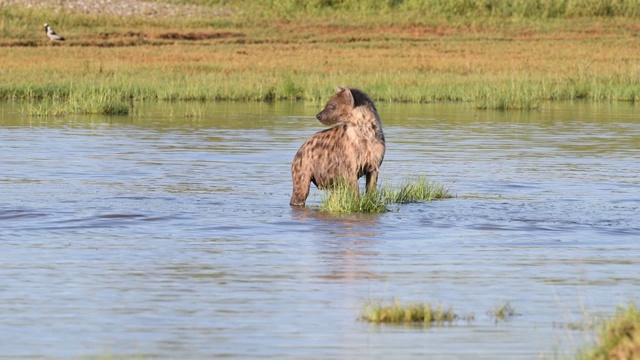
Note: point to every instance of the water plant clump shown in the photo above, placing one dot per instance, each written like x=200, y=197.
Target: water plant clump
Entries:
x=397, y=313
x=619, y=337
x=342, y=199
x=419, y=189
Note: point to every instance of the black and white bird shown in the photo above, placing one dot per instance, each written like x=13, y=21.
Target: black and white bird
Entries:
x=52, y=34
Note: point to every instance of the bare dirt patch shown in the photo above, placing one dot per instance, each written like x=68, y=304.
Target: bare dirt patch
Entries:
x=195, y=36
x=130, y=38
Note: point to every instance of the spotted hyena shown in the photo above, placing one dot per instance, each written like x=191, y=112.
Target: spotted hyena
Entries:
x=353, y=148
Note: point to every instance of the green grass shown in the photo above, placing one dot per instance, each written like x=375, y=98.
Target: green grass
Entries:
x=619, y=337
x=419, y=189
x=415, y=313
x=342, y=199
x=91, y=102
x=97, y=94
x=517, y=95
x=437, y=8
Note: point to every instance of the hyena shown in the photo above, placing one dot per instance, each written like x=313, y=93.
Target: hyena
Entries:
x=344, y=152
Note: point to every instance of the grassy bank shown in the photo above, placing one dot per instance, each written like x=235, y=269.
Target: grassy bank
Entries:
x=511, y=57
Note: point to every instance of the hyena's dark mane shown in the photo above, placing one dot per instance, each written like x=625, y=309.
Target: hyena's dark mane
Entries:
x=361, y=98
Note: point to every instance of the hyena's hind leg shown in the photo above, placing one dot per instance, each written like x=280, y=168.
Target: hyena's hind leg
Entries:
x=372, y=180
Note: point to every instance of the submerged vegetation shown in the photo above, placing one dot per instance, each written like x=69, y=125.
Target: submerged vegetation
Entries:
x=502, y=312
x=491, y=54
x=342, y=199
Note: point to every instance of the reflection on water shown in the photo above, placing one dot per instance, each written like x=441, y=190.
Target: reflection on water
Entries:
x=169, y=234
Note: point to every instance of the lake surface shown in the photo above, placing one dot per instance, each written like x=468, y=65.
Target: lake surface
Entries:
x=168, y=234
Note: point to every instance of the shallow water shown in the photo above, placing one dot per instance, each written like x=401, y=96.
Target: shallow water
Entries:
x=169, y=234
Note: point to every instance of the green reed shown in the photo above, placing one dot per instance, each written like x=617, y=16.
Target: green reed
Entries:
x=483, y=91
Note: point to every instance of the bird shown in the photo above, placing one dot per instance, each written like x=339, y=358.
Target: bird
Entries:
x=52, y=34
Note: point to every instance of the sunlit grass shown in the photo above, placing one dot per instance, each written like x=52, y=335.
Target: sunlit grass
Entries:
x=522, y=95
x=92, y=103
x=618, y=337
x=419, y=189
x=342, y=199
x=395, y=312
x=444, y=8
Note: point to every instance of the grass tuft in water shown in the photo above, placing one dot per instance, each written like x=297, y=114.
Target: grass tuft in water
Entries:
x=397, y=313
x=619, y=337
x=417, y=190
x=342, y=199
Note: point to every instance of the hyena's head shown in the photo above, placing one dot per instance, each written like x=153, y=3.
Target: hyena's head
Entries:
x=338, y=108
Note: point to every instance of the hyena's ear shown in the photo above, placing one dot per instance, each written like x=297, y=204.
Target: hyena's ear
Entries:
x=346, y=96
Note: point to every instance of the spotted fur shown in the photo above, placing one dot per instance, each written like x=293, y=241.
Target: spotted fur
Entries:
x=351, y=149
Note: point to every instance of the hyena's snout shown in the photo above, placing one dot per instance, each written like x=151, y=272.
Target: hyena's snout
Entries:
x=329, y=115
x=322, y=117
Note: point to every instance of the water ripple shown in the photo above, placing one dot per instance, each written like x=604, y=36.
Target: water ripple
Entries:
x=172, y=238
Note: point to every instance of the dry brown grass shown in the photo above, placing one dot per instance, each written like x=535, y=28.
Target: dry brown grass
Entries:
x=235, y=51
